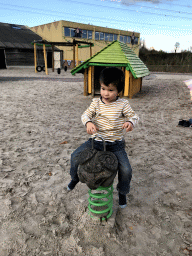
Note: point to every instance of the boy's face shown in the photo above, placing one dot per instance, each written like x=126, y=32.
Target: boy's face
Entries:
x=108, y=93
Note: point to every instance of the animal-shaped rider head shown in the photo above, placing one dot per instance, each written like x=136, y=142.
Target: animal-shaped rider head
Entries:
x=97, y=168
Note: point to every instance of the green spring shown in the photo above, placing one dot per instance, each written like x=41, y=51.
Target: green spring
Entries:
x=101, y=204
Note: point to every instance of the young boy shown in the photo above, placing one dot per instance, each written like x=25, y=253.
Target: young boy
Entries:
x=107, y=117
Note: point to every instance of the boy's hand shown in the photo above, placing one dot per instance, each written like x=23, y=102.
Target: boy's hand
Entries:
x=128, y=126
x=91, y=128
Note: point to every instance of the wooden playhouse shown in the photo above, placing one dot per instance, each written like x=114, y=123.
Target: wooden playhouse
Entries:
x=116, y=54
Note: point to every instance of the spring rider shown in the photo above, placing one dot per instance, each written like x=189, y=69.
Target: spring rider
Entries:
x=98, y=169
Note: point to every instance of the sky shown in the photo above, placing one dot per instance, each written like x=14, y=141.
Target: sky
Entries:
x=161, y=23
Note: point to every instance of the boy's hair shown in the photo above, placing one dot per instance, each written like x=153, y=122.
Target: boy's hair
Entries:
x=113, y=75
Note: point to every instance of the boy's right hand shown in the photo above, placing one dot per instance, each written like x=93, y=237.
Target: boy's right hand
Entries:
x=91, y=128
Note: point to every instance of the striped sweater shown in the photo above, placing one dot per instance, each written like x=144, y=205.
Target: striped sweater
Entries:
x=109, y=118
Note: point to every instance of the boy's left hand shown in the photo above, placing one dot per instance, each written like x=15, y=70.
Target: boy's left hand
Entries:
x=128, y=126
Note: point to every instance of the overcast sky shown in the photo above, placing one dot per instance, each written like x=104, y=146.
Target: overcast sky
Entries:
x=161, y=23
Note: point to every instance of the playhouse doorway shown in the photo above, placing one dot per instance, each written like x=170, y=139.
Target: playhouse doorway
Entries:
x=97, y=72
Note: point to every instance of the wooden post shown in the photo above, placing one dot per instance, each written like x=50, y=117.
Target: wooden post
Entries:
x=45, y=59
x=53, y=62
x=122, y=92
x=126, y=88
x=77, y=60
x=92, y=81
x=131, y=86
x=35, y=57
x=85, y=83
x=141, y=84
x=89, y=80
x=73, y=53
x=90, y=51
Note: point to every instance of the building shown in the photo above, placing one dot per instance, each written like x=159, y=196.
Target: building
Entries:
x=16, y=48
x=66, y=31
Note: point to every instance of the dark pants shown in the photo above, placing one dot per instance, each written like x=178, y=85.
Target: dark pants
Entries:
x=118, y=148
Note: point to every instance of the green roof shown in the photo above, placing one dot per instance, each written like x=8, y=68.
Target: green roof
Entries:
x=116, y=54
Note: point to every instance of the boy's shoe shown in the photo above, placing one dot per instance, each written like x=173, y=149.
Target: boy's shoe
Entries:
x=72, y=185
x=122, y=201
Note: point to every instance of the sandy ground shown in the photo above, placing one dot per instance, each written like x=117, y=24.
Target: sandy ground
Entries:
x=39, y=217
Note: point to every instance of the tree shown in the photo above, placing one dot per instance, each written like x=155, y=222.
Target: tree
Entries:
x=177, y=45
x=142, y=48
x=142, y=43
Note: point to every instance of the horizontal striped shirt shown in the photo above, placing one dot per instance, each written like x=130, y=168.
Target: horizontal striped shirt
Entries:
x=109, y=118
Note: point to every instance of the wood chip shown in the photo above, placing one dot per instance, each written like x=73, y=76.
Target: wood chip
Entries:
x=64, y=142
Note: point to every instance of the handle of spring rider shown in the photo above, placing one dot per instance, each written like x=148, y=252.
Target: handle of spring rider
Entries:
x=99, y=136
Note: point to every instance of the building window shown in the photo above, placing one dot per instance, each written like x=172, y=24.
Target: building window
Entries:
x=96, y=35
x=89, y=34
x=77, y=32
x=121, y=38
x=73, y=32
x=15, y=27
x=106, y=36
x=125, y=39
x=101, y=36
x=111, y=37
x=114, y=37
x=67, y=31
x=136, y=40
x=84, y=34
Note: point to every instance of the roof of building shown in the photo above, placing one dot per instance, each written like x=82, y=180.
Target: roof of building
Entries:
x=16, y=36
x=116, y=54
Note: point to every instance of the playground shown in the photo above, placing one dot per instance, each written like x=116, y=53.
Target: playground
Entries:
x=40, y=126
